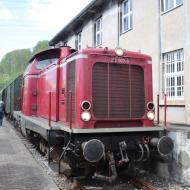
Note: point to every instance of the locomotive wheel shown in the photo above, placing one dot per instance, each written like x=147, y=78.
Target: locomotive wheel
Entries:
x=43, y=147
x=66, y=169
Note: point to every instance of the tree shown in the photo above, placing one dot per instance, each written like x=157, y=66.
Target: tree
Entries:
x=40, y=46
x=15, y=62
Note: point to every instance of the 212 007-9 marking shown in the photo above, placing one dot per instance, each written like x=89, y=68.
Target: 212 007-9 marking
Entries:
x=119, y=60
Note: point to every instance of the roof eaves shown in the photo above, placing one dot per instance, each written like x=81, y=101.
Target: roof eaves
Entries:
x=56, y=38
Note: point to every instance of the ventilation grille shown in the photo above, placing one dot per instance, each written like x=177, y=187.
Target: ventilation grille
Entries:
x=71, y=87
x=118, y=91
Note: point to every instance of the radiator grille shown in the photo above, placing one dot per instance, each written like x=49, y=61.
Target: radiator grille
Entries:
x=71, y=87
x=118, y=91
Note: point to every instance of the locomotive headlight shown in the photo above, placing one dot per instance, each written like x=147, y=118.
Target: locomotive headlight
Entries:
x=119, y=51
x=85, y=116
x=151, y=115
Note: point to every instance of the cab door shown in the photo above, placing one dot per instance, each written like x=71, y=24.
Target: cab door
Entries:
x=62, y=93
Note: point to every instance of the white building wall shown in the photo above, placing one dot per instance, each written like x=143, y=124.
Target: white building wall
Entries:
x=173, y=34
x=71, y=41
x=144, y=36
x=110, y=26
x=173, y=29
x=87, y=34
x=186, y=23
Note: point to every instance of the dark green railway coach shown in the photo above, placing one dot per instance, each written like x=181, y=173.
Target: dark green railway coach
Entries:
x=11, y=94
x=2, y=94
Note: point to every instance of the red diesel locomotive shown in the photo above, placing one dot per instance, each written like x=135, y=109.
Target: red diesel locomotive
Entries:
x=96, y=104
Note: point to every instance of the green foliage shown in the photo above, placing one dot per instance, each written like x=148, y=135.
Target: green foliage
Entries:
x=14, y=63
x=41, y=45
x=4, y=79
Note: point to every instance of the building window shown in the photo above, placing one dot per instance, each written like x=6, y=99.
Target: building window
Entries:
x=170, y=4
x=126, y=16
x=62, y=43
x=78, y=41
x=174, y=74
x=98, y=32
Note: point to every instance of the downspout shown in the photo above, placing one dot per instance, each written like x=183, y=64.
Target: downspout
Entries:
x=160, y=47
x=160, y=74
x=118, y=23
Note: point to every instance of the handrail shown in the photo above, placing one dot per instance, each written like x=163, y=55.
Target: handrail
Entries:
x=49, y=114
x=165, y=107
x=158, y=109
x=70, y=105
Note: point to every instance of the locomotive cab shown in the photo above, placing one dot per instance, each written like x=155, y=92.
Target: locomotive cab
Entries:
x=34, y=93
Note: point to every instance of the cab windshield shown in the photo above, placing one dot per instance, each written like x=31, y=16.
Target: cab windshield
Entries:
x=44, y=63
x=46, y=58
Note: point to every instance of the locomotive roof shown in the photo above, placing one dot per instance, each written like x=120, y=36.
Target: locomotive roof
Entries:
x=76, y=22
x=42, y=52
x=101, y=51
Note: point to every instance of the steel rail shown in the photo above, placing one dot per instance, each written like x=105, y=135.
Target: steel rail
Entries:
x=142, y=184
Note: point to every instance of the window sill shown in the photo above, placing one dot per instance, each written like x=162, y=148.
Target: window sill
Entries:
x=173, y=103
x=121, y=33
x=164, y=12
x=98, y=46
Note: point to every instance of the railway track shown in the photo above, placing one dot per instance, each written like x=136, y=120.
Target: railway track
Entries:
x=134, y=183
x=142, y=184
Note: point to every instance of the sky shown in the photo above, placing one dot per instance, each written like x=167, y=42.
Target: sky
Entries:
x=25, y=22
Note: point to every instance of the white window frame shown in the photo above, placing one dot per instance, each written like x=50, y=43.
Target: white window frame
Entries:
x=98, y=32
x=79, y=41
x=126, y=16
x=174, y=4
x=174, y=74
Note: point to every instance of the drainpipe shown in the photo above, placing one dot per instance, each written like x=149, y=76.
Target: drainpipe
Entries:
x=160, y=74
x=118, y=23
x=160, y=46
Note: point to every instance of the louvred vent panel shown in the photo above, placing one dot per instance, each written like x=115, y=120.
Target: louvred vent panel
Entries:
x=118, y=91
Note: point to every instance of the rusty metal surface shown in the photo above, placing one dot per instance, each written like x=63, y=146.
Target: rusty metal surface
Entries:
x=142, y=184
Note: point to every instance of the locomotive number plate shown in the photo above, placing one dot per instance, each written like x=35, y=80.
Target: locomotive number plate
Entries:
x=119, y=60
